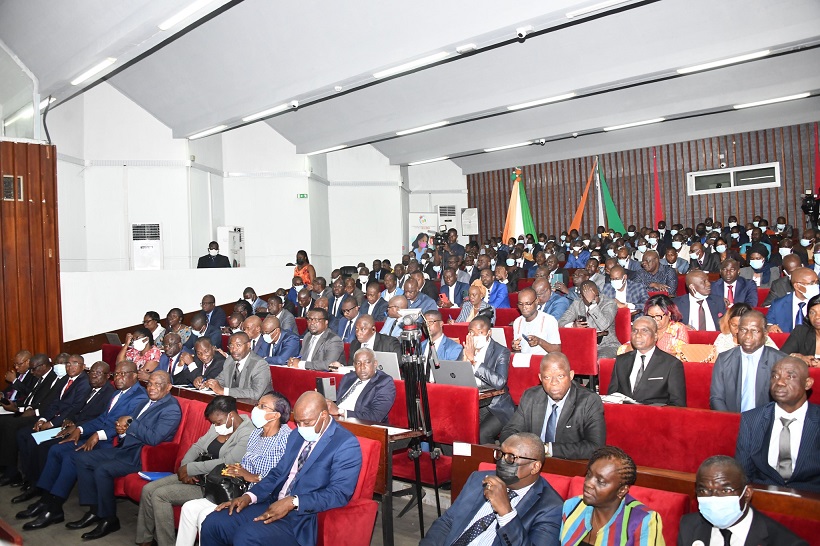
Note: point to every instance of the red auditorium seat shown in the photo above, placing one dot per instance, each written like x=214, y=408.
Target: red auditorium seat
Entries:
x=521, y=379
x=681, y=284
x=514, y=300
x=764, y=310
x=450, y=313
x=525, y=283
x=301, y=325
x=762, y=294
x=581, y=347
x=110, y=353
x=505, y=317
x=623, y=325
x=779, y=339
x=702, y=337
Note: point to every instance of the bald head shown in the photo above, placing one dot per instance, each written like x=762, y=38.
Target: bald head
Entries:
x=556, y=359
x=252, y=326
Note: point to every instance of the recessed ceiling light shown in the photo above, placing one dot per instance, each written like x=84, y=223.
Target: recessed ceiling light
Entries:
x=422, y=128
x=634, y=124
x=442, y=158
x=327, y=150
x=723, y=62
x=268, y=112
x=93, y=70
x=539, y=102
x=466, y=48
x=183, y=14
x=430, y=59
x=595, y=7
x=207, y=132
x=771, y=101
x=508, y=146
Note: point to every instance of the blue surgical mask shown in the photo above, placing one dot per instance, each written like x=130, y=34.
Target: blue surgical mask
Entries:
x=677, y=244
x=59, y=370
x=721, y=248
x=756, y=264
x=641, y=248
x=510, y=262
x=722, y=512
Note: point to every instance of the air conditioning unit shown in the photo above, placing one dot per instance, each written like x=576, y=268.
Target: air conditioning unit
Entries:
x=469, y=221
x=447, y=216
x=231, y=241
x=146, y=247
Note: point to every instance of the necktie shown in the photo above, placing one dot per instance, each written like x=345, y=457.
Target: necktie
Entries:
x=67, y=386
x=701, y=316
x=93, y=393
x=798, y=318
x=481, y=525
x=336, y=307
x=727, y=537
x=236, y=372
x=784, y=456
x=731, y=296
x=114, y=400
x=548, y=434
x=640, y=372
x=350, y=391
x=300, y=462
x=253, y=345
x=347, y=331
x=747, y=389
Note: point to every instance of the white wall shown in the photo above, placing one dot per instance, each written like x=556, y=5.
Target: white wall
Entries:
x=434, y=184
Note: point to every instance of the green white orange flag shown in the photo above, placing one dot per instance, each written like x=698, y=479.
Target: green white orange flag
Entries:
x=519, y=218
x=613, y=219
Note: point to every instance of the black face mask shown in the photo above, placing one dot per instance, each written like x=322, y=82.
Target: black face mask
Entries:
x=507, y=472
x=300, y=261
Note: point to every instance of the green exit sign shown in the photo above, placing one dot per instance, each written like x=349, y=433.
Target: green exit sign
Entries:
x=301, y=195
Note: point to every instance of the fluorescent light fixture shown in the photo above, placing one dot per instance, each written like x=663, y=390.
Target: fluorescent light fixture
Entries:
x=422, y=128
x=268, y=112
x=594, y=7
x=771, y=101
x=442, y=158
x=27, y=112
x=635, y=124
x=466, y=48
x=508, y=146
x=723, y=62
x=207, y=132
x=539, y=102
x=93, y=70
x=430, y=59
x=46, y=102
x=183, y=14
x=327, y=150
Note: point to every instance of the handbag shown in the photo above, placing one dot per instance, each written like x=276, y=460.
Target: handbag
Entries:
x=218, y=488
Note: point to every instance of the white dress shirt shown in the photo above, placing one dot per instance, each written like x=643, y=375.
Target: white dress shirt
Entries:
x=487, y=538
x=349, y=403
x=694, y=309
x=239, y=367
x=739, y=530
x=636, y=365
x=795, y=432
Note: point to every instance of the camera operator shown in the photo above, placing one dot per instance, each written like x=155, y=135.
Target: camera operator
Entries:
x=452, y=246
x=811, y=208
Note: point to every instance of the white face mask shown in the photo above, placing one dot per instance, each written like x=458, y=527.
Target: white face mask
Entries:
x=811, y=290
x=479, y=342
x=309, y=434
x=781, y=227
x=140, y=344
x=249, y=300
x=623, y=261
x=721, y=248
x=213, y=251
x=563, y=237
x=630, y=233
x=587, y=241
x=698, y=296
x=749, y=233
x=224, y=430
x=755, y=224
x=510, y=262
x=653, y=241
x=519, y=262
x=617, y=284
x=732, y=224
x=268, y=338
x=528, y=247
x=695, y=255
x=722, y=512
x=59, y=369
x=258, y=417
x=805, y=242
x=492, y=264
x=676, y=245
x=576, y=248
x=610, y=253
x=503, y=281
x=756, y=264
x=673, y=232
x=735, y=235
x=641, y=248
x=437, y=268
x=786, y=251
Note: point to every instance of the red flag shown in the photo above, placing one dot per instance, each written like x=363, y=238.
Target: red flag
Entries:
x=816, y=162
x=658, y=201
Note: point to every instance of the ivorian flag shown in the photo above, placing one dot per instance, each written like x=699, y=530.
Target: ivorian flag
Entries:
x=613, y=219
x=519, y=217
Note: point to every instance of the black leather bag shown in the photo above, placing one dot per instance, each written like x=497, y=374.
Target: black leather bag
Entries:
x=218, y=488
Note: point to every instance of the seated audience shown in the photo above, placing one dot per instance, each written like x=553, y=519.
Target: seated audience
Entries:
x=171, y=353
x=700, y=309
x=391, y=326
x=567, y=417
x=353, y=290
x=578, y=256
x=21, y=379
x=551, y=303
x=672, y=333
x=779, y=442
x=802, y=342
x=374, y=305
x=534, y=332
x=368, y=338
x=596, y=272
x=243, y=308
x=655, y=277
x=344, y=327
x=379, y=271
x=223, y=443
x=194, y=370
x=304, y=303
x=760, y=270
x=215, y=316
x=783, y=286
x=594, y=310
x=490, y=362
x=740, y=377
x=446, y=348
x=626, y=293
x=512, y=505
x=475, y=305
x=790, y=310
x=286, y=319
x=140, y=349
x=282, y=344
x=257, y=304
x=265, y=448
x=244, y=373
x=700, y=259
x=579, y=276
x=497, y=295
x=151, y=322
x=337, y=298
x=606, y=513
x=733, y=288
x=454, y=290
x=199, y=325
x=425, y=286
x=673, y=260
x=729, y=324
x=320, y=347
x=234, y=323
x=502, y=276
x=253, y=327
x=725, y=513
x=415, y=299
x=648, y=375
x=365, y=393
x=391, y=288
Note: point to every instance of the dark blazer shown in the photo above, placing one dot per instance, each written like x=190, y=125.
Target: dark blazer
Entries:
x=745, y=290
x=493, y=373
x=459, y=292
x=802, y=340
x=214, y=329
x=382, y=343
x=764, y=531
x=97, y=405
x=379, y=310
x=725, y=389
x=710, y=263
x=208, y=261
x=752, y=450
x=341, y=326
x=39, y=395
x=332, y=301
x=72, y=401
x=261, y=348
x=430, y=289
x=662, y=382
x=214, y=368
x=779, y=288
x=580, y=429
x=538, y=520
x=157, y=424
x=302, y=311
x=780, y=313
x=23, y=387
x=716, y=306
x=375, y=400
x=287, y=346
x=377, y=275
x=135, y=397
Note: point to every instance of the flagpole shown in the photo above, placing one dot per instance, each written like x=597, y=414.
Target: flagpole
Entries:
x=601, y=216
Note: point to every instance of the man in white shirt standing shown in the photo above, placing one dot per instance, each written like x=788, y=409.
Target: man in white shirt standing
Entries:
x=534, y=332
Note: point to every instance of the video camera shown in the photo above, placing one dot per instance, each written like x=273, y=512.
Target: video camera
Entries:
x=440, y=237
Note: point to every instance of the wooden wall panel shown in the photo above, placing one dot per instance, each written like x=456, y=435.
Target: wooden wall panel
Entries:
x=554, y=189
x=30, y=313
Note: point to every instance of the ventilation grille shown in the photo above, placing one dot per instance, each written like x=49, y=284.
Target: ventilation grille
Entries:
x=145, y=232
x=447, y=210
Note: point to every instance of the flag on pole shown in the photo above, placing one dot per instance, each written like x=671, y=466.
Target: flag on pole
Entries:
x=601, y=217
x=658, y=201
x=613, y=219
x=519, y=218
x=579, y=213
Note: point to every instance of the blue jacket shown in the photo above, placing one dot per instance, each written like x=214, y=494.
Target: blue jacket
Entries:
x=780, y=313
x=136, y=397
x=379, y=311
x=261, y=348
x=446, y=350
x=556, y=306
x=459, y=292
x=287, y=346
x=578, y=262
x=72, y=401
x=423, y=302
x=341, y=326
x=375, y=401
x=157, y=424
x=499, y=296
x=745, y=290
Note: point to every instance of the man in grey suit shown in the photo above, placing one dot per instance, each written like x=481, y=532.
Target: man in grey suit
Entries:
x=244, y=374
x=568, y=418
x=598, y=311
x=321, y=345
x=741, y=376
x=286, y=318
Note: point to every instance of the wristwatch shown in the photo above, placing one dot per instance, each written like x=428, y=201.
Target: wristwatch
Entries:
x=295, y=500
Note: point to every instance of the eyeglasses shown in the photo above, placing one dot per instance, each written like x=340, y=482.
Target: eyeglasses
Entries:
x=753, y=331
x=509, y=458
x=122, y=374
x=725, y=491
x=314, y=319
x=658, y=318
x=346, y=311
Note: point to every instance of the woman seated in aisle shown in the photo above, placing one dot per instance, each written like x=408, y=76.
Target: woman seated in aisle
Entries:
x=724, y=251
x=606, y=513
x=760, y=270
x=265, y=448
x=474, y=304
x=729, y=324
x=140, y=349
x=672, y=333
x=174, y=319
x=223, y=443
x=802, y=342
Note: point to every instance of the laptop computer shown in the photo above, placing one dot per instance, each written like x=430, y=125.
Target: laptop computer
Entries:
x=455, y=372
x=112, y=338
x=388, y=363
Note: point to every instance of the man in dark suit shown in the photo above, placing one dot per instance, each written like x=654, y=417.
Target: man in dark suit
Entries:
x=305, y=303
x=154, y=423
x=215, y=315
x=702, y=260
x=741, y=524
x=779, y=443
x=626, y=293
x=60, y=473
x=536, y=518
x=568, y=418
x=426, y=287
x=335, y=301
x=378, y=272
x=647, y=374
x=20, y=380
x=740, y=377
x=321, y=345
x=282, y=344
x=318, y=472
x=783, y=286
x=732, y=287
x=699, y=295
x=365, y=393
x=205, y=364
x=784, y=312
x=344, y=327
x=367, y=337
x=253, y=327
x=172, y=350
x=491, y=363
x=244, y=374
x=213, y=258
x=374, y=305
